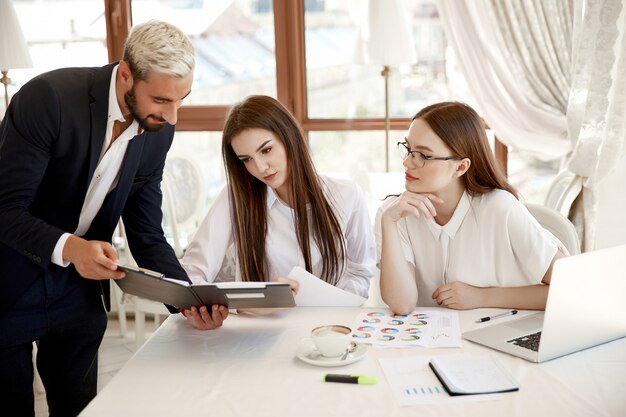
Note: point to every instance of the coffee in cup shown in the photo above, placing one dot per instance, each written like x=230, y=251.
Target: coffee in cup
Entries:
x=331, y=340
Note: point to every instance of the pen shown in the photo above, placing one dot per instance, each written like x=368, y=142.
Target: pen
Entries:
x=351, y=379
x=497, y=316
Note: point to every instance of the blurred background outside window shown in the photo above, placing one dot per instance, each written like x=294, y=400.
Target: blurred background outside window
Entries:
x=236, y=57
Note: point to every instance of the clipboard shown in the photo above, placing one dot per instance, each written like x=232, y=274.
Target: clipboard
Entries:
x=155, y=286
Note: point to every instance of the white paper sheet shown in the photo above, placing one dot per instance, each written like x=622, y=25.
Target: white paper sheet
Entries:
x=314, y=292
x=413, y=383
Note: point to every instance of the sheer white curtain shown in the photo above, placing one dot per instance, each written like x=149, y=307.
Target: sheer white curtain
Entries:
x=550, y=78
x=516, y=72
x=596, y=113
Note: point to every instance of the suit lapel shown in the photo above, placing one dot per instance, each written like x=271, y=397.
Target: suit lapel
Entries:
x=99, y=114
x=129, y=168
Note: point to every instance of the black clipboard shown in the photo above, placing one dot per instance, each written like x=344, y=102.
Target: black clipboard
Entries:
x=155, y=286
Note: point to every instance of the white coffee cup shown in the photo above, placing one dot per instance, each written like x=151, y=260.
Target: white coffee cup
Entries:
x=331, y=340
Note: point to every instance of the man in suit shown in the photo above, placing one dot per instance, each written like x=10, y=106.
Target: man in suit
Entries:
x=80, y=147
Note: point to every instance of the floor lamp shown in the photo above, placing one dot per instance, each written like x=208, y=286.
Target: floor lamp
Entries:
x=389, y=42
x=13, y=48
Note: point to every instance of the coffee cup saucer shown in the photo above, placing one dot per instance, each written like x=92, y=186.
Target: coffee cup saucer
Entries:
x=308, y=353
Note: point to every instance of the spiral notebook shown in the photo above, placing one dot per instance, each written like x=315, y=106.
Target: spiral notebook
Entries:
x=467, y=375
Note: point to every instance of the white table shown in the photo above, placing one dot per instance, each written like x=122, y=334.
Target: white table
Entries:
x=249, y=368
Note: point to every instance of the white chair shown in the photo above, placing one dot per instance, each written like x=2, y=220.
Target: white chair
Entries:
x=557, y=224
x=141, y=306
x=37, y=382
x=184, y=194
x=564, y=189
x=374, y=299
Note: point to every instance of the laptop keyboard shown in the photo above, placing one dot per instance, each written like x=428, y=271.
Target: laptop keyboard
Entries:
x=530, y=341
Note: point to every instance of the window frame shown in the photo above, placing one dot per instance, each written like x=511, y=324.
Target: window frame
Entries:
x=289, y=29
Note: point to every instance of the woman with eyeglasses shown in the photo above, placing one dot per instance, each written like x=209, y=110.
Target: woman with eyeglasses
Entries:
x=458, y=236
x=278, y=211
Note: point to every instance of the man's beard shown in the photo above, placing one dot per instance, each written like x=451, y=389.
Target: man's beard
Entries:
x=131, y=103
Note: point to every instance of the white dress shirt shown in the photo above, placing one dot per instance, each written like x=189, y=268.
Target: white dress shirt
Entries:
x=490, y=241
x=107, y=172
x=205, y=253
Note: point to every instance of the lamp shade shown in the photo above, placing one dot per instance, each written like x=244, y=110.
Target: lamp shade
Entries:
x=13, y=49
x=389, y=39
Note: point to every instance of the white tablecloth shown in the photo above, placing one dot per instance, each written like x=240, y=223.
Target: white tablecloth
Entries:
x=248, y=368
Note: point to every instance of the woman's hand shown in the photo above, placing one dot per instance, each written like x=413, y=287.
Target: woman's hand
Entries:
x=202, y=319
x=263, y=311
x=459, y=296
x=412, y=204
x=295, y=285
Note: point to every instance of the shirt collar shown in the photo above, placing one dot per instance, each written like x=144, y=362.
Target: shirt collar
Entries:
x=273, y=199
x=115, y=112
x=455, y=222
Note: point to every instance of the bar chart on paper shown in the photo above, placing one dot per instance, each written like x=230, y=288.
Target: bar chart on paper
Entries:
x=412, y=381
x=412, y=391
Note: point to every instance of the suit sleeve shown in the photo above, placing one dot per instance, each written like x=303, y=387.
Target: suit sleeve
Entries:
x=27, y=136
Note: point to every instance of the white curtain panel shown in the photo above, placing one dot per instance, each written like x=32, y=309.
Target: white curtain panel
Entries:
x=550, y=78
x=596, y=112
x=514, y=69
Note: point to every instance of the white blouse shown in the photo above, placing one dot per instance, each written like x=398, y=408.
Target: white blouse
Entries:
x=490, y=241
x=205, y=253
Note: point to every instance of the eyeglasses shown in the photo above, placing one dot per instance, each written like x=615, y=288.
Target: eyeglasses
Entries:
x=418, y=158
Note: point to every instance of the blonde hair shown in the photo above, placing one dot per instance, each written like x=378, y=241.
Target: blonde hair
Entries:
x=161, y=47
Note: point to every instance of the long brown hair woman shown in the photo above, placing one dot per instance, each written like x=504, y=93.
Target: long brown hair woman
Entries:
x=278, y=211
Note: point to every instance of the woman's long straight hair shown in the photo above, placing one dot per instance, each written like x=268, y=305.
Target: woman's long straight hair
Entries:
x=313, y=214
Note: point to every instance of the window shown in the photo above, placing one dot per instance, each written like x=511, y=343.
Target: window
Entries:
x=299, y=51
x=77, y=37
x=234, y=43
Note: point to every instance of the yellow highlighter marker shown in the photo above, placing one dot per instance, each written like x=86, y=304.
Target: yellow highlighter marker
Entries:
x=351, y=379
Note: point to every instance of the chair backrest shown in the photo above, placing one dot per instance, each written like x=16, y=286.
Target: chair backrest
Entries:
x=557, y=224
x=563, y=190
x=184, y=194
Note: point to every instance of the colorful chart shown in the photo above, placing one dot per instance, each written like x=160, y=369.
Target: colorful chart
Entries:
x=389, y=330
x=371, y=320
x=419, y=328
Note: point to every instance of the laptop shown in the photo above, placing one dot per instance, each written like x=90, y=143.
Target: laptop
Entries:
x=586, y=307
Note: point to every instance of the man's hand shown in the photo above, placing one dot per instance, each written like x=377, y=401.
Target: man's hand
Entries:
x=202, y=319
x=92, y=259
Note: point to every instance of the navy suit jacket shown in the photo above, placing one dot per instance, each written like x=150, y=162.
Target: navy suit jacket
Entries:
x=50, y=141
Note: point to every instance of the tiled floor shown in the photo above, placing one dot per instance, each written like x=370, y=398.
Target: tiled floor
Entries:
x=114, y=352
